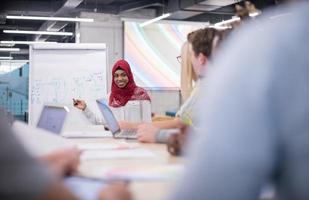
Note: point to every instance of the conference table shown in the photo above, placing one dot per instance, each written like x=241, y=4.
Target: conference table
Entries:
x=142, y=189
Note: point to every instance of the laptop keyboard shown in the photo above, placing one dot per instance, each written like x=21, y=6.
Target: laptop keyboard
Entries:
x=128, y=132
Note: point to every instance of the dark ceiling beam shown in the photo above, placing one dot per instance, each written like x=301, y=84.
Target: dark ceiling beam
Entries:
x=139, y=5
x=194, y=9
x=99, y=8
x=24, y=7
x=115, y=8
x=209, y=17
x=226, y=10
x=16, y=27
x=184, y=9
x=261, y=4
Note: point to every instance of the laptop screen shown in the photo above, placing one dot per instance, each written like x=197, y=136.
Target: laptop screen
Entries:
x=108, y=116
x=52, y=118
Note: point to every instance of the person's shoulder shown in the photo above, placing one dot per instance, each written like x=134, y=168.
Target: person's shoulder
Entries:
x=139, y=89
x=140, y=94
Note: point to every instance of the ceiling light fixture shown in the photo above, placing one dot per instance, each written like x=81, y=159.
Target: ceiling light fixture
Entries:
x=6, y=58
x=154, y=19
x=219, y=27
x=234, y=19
x=25, y=42
x=9, y=49
x=14, y=61
x=38, y=32
x=254, y=14
x=64, y=19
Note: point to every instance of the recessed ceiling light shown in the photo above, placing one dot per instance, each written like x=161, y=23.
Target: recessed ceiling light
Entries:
x=38, y=32
x=154, y=19
x=66, y=19
x=24, y=42
x=6, y=58
x=9, y=49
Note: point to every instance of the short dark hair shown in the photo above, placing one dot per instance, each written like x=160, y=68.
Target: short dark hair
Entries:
x=190, y=36
x=202, y=40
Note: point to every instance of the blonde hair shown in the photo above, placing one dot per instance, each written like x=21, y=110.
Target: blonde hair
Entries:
x=188, y=76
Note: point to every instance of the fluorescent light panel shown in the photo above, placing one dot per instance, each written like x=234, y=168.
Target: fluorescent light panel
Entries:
x=14, y=61
x=38, y=32
x=154, y=20
x=254, y=14
x=219, y=27
x=234, y=19
x=24, y=42
x=6, y=58
x=65, y=19
x=9, y=49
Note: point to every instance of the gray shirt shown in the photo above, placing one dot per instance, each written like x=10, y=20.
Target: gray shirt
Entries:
x=21, y=177
x=254, y=127
x=163, y=134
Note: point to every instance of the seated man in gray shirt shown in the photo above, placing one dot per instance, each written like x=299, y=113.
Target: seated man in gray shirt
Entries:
x=23, y=177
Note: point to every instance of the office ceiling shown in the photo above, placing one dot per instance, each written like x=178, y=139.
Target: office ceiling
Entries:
x=193, y=10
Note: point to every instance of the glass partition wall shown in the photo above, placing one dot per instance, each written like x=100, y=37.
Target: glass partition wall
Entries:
x=14, y=81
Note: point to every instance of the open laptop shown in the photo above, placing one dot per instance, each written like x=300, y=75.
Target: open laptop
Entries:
x=112, y=122
x=52, y=118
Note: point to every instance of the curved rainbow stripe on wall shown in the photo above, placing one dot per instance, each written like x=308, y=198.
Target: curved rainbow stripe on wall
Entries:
x=152, y=51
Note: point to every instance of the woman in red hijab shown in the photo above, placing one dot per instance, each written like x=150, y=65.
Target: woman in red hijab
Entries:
x=123, y=90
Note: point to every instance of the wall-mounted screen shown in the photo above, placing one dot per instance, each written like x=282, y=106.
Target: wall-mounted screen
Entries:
x=152, y=51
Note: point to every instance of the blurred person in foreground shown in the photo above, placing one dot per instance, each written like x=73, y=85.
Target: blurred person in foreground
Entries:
x=257, y=114
x=25, y=177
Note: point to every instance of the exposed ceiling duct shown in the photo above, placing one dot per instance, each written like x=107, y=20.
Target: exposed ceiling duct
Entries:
x=64, y=11
x=218, y=3
x=183, y=9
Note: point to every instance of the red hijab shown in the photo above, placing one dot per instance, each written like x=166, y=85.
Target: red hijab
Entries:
x=120, y=96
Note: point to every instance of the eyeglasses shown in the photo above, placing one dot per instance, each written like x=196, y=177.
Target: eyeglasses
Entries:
x=178, y=59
